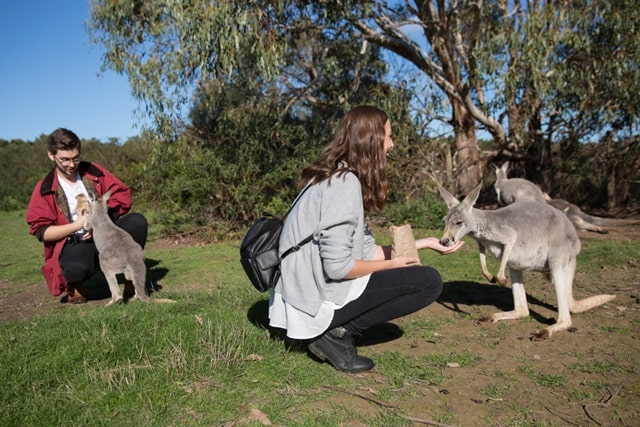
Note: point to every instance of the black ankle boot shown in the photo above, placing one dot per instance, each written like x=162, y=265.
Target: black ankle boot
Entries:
x=338, y=347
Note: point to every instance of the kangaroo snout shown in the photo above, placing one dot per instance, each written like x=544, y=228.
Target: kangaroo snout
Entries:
x=447, y=239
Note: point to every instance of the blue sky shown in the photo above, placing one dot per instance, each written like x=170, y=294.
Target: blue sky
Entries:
x=50, y=75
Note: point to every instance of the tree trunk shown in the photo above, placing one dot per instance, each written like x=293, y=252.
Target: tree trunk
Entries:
x=610, y=173
x=467, y=158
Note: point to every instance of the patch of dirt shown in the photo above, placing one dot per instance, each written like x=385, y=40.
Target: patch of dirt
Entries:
x=587, y=376
x=495, y=375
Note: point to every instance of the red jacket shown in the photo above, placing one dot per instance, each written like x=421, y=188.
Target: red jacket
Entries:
x=44, y=211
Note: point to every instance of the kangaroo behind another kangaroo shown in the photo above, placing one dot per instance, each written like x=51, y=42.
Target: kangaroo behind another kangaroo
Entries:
x=525, y=236
x=117, y=251
x=584, y=221
x=511, y=190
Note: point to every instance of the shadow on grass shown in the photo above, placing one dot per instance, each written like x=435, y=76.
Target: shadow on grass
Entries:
x=258, y=315
x=457, y=294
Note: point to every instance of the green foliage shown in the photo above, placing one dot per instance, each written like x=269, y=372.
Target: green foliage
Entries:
x=596, y=72
x=26, y=163
x=165, y=55
x=538, y=67
x=420, y=214
x=23, y=164
x=192, y=185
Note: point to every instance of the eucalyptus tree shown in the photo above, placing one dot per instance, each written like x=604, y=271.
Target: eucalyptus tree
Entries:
x=596, y=84
x=502, y=66
x=246, y=91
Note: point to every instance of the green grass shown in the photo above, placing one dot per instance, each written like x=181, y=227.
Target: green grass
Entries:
x=210, y=359
x=21, y=253
x=541, y=379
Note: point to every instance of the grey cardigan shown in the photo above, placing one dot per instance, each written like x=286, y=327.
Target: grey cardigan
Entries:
x=334, y=213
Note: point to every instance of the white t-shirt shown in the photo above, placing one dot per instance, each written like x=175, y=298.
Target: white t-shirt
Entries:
x=71, y=191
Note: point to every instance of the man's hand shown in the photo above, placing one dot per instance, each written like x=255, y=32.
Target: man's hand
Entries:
x=80, y=221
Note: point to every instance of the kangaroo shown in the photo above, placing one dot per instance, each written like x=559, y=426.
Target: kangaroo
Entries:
x=117, y=251
x=584, y=221
x=510, y=190
x=525, y=236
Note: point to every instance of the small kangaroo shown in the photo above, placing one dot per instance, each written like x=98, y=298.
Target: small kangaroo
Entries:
x=510, y=190
x=525, y=236
x=117, y=251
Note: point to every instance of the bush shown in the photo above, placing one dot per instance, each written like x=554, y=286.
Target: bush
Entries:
x=427, y=215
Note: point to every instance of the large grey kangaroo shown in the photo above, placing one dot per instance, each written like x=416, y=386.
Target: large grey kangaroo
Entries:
x=117, y=251
x=525, y=236
x=510, y=190
x=515, y=189
x=583, y=221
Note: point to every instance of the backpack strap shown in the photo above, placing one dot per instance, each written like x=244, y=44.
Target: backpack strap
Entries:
x=297, y=247
x=306, y=239
x=297, y=198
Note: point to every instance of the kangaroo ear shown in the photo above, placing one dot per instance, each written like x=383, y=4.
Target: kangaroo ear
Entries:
x=106, y=195
x=471, y=198
x=505, y=167
x=448, y=197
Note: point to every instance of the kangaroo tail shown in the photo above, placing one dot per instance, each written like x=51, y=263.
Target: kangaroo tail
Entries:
x=578, y=306
x=162, y=300
x=611, y=222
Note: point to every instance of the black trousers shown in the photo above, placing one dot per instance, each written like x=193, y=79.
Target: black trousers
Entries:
x=79, y=260
x=390, y=294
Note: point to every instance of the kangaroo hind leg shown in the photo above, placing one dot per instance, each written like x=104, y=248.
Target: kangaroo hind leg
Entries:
x=112, y=281
x=138, y=275
x=562, y=274
x=520, y=307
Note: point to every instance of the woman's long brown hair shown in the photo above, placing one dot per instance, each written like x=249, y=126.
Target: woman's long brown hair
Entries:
x=357, y=146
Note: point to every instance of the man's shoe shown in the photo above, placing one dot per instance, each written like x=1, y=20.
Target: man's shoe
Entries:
x=337, y=346
x=74, y=295
x=76, y=299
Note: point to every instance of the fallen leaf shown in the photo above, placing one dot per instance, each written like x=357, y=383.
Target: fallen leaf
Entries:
x=259, y=416
x=254, y=357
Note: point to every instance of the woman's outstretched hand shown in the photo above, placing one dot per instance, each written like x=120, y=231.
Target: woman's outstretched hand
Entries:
x=434, y=243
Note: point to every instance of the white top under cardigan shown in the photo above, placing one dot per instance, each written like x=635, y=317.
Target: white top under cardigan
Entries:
x=312, y=284
x=300, y=325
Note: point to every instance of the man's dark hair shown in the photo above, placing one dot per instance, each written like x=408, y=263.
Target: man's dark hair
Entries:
x=63, y=139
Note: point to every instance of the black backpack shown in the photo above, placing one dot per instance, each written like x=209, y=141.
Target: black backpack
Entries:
x=259, y=250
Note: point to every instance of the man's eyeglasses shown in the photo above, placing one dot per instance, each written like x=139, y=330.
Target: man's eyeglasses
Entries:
x=66, y=161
